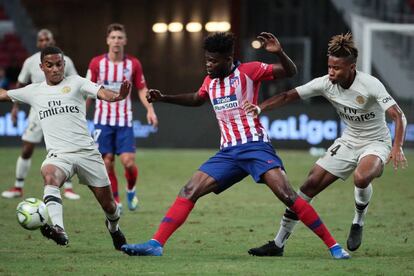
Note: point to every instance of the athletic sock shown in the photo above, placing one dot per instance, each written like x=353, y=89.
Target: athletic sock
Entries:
x=174, y=218
x=68, y=185
x=288, y=223
x=362, y=198
x=113, y=219
x=131, y=177
x=22, y=169
x=310, y=218
x=53, y=201
x=114, y=185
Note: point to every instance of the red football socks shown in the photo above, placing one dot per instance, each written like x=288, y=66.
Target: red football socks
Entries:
x=310, y=218
x=114, y=185
x=131, y=177
x=175, y=216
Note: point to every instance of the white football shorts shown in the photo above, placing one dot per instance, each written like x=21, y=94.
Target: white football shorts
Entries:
x=342, y=157
x=87, y=164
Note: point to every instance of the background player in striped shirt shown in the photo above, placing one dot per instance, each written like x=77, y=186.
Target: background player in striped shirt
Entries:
x=113, y=121
x=245, y=148
x=364, y=147
x=31, y=73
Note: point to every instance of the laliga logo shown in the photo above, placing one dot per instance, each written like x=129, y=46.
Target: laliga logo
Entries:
x=301, y=128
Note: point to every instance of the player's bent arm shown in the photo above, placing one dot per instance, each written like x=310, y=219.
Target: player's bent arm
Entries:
x=3, y=96
x=280, y=100
x=286, y=68
x=397, y=154
x=142, y=96
x=188, y=99
x=112, y=96
x=398, y=117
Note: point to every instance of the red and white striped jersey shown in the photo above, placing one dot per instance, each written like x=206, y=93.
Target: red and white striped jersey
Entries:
x=226, y=95
x=111, y=75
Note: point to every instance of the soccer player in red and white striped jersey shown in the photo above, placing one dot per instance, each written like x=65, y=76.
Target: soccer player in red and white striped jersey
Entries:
x=245, y=148
x=113, y=121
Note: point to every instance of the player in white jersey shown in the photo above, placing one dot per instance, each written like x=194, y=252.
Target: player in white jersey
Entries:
x=365, y=146
x=59, y=103
x=245, y=148
x=31, y=73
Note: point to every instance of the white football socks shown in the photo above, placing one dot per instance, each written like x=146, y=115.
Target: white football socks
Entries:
x=68, y=185
x=362, y=198
x=287, y=225
x=53, y=201
x=22, y=169
x=113, y=219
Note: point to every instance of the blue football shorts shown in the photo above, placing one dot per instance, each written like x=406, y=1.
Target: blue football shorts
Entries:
x=114, y=139
x=230, y=165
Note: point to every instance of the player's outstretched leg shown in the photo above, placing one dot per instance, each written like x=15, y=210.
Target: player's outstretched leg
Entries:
x=267, y=250
x=111, y=222
x=149, y=248
x=174, y=218
x=55, y=233
x=287, y=225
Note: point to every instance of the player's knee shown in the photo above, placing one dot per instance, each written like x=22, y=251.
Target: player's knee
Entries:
x=361, y=180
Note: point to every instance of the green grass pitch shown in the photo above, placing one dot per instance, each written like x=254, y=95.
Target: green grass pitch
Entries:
x=219, y=231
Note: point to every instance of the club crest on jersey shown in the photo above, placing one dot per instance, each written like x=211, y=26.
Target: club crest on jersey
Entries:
x=360, y=100
x=66, y=90
x=234, y=82
x=225, y=103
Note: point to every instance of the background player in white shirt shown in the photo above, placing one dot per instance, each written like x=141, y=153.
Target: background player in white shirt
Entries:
x=365, y=146
x=59, y=103
x=31, y=73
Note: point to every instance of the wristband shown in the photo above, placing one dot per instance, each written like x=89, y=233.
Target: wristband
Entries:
x=259, y=110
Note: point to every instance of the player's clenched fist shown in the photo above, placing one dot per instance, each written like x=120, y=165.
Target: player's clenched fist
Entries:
x=153, y=95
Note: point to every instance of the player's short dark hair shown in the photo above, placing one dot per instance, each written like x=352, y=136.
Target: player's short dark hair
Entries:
x=343, y=46
x=51, y=50
x=222, y=43
x=115, y=27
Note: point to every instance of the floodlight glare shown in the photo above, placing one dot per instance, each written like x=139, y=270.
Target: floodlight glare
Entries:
x=175, y=27
x=214, y=26
x=256, y=44
x=159, y=28
x=193, y=27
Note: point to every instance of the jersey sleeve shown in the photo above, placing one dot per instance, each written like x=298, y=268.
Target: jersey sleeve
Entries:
x=138, y=77
x=92, y=73
x=257, y=71
x=24, y=76
x=383, y=97
x=21, y=94
x=69, y=67
x=203, y=90
x=313, y=88
x=89, y=88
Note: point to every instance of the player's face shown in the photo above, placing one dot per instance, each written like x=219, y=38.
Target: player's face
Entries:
x=44, y=40
x=340, y=70
x=218, y=65
x=53, y=66
x=116, y=41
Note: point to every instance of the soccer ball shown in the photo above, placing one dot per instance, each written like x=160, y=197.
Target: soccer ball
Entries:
x=31, y=213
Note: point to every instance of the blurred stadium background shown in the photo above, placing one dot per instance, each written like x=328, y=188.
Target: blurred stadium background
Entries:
x=172, y=55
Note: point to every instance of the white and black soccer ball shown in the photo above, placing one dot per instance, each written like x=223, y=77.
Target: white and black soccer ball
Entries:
x=31, y=213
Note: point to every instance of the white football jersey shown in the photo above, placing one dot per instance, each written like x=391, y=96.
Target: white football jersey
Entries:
x=62, y=111
x=361, y=107
x=31, y=72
